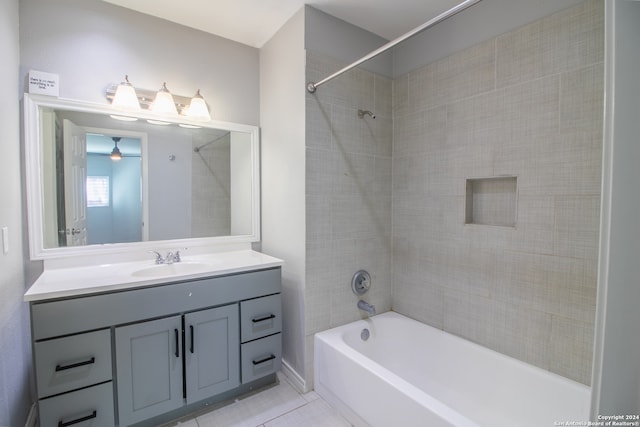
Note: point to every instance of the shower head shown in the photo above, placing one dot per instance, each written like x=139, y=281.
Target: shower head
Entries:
x=361, y=114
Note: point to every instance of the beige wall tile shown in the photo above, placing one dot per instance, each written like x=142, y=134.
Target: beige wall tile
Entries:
x=564, y=41
x=479, y=319
x=514, y=289
x=577, y=225
x=389, y=194
x=570, y=348
x=528, y=335
x=582, y=99
x=348, y=187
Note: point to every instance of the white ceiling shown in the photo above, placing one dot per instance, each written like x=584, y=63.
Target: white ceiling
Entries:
x=253, y=22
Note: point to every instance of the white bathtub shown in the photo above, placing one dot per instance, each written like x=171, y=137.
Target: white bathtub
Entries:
x=410, y=374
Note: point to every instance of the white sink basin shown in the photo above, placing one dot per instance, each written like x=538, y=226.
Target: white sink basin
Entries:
x=178, y=268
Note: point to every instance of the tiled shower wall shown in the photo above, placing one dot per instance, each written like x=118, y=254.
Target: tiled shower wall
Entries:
x=348, y=196
x=527, y=104
x=211, y=188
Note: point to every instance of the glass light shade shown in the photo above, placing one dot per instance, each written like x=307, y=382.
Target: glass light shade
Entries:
x=158, y=122
x=125, y=97
x=197, y=109
x=116, y=154
x=163, y=102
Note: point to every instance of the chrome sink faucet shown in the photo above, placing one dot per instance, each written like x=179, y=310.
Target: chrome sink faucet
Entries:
x=169, y=259
x=172, y=257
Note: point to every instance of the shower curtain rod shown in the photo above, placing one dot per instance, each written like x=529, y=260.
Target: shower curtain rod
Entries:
x=311, y=87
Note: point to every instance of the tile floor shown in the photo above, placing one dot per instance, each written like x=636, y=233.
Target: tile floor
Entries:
x=278, y=406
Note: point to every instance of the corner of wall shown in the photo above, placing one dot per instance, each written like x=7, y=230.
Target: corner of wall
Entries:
x=15, y=360
x=282, y=122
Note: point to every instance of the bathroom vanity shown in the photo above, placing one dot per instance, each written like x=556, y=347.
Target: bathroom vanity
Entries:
x=126, y=344
x=117, y=339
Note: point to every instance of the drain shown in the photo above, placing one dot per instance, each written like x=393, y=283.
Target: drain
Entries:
x=365, y=334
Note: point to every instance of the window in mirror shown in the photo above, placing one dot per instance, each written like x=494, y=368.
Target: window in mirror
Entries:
x=98, y=194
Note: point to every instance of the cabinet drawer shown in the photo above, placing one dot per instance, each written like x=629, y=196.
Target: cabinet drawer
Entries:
x=261, y=357
x=89, y=407
x=260, y=317
x=68, y=363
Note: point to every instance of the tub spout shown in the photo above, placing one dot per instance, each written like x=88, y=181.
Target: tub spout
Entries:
x=365, y=306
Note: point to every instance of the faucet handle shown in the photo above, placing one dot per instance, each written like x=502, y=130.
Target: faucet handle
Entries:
x=176, y=256
x=159, y=259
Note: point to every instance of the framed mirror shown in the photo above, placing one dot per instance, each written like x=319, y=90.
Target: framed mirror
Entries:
x=99, y=184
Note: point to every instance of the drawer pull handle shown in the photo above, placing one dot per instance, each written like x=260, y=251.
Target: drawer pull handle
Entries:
x=262, y=319
x=177, y=353
x=79, y=420
x=75, y=365
x=266, y=359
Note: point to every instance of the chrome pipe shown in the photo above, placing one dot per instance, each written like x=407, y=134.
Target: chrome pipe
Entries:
x=311, y=86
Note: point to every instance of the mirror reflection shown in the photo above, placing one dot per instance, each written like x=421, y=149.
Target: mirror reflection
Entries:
x=107, y=181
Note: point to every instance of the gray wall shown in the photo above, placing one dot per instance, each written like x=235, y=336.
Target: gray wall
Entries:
x=169, y=184
x=617, y=379
x=529, y=104
x=282, y=83
x=14, y=324
x=91, y=44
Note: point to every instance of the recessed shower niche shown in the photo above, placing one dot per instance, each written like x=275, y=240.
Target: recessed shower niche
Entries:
x=491, y=201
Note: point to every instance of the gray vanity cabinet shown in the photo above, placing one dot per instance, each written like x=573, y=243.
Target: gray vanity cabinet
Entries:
x=147, y=355
x=211, y=352
x=74, y=380
x=150, y=357
x=149, y=368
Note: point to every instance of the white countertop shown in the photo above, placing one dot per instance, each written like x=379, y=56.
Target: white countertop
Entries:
x=86, y=280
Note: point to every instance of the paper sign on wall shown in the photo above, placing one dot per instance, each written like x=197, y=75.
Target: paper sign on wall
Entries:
x=43, y=83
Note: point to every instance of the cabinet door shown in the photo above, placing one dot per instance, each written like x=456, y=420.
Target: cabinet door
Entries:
x=212, y=352
x=149, y=369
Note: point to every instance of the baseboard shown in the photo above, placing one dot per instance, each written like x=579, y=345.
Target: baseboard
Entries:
x=32, y=418
x=294, y=378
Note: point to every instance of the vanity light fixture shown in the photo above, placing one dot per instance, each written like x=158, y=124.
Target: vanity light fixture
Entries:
x=125, y=97
x=115, y=153
x=163, y=102
x=197, y=109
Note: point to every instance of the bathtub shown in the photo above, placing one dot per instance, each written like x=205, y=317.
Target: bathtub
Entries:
x=410, y=374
